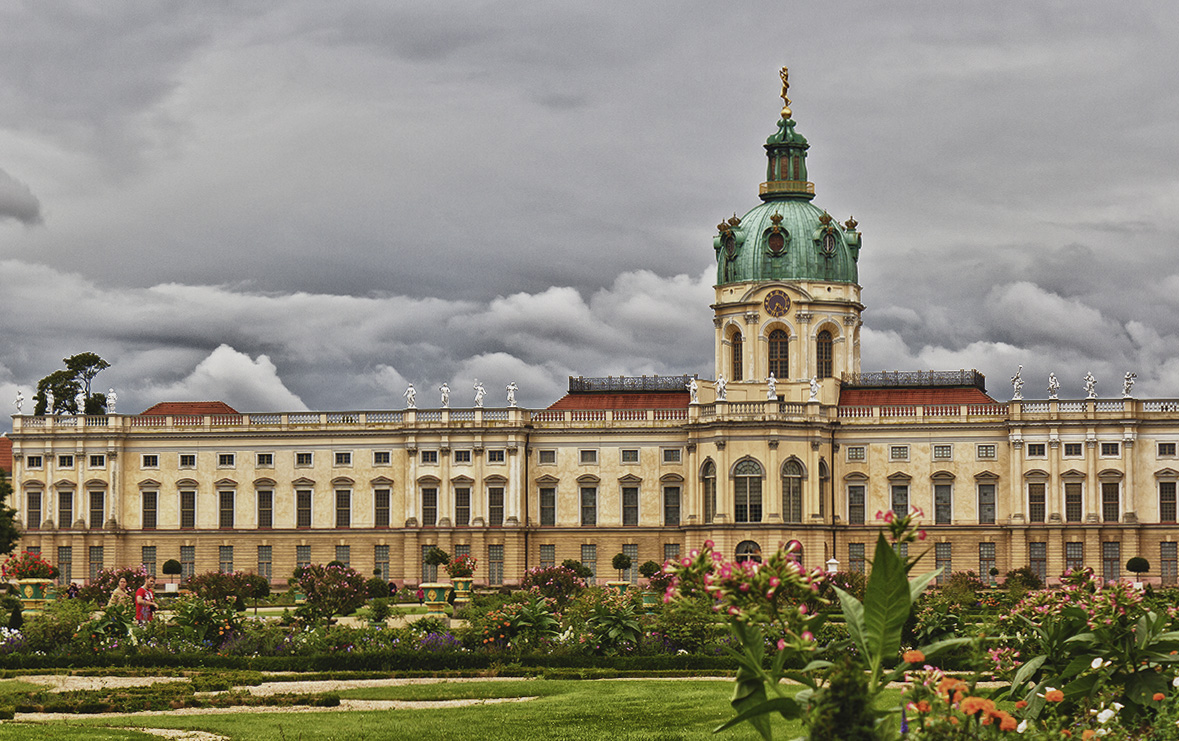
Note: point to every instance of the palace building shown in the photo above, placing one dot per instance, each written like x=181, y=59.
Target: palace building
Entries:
x=791, y=442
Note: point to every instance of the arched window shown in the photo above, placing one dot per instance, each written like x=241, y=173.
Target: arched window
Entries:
x=779, y=358
x=824, y=484
x=748, y=550
x=747, y=476
x=791, y=492
x=708, y=476
x=823, y=354
x=738, y=354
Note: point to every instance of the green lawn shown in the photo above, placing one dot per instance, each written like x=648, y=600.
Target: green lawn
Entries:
x=631, y=710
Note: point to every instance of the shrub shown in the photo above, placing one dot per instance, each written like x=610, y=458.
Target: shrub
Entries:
x=53, y=630
x=578, y=568
x=1022, y=580
x=436, y=557
x=962, y=587
x=1138, y=565
x=172, y=567
x=219, y=587
x=379, y=609
x=461, y=567
x=99, y=590
x=331, y=590
x=621, y=562
x=376, y=588
x=559, y=583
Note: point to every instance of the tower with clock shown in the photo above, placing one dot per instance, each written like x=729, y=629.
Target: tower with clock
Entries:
x=787, y=290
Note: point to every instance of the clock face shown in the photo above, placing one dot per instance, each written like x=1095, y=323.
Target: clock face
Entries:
x=777, y=303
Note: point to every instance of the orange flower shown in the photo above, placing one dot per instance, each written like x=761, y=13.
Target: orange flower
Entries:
x=923, y=707
x=972, y=705
x=1158, y=696
x=953, y=720
x=1020, y=704
x=957, y=697
x=1054, y=696
x=1007, y=722
x=1066, y=732
x=913, y=657
x=1088, y=733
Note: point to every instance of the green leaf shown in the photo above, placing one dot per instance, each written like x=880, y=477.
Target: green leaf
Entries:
x=920, y=583
x=784, y=705
x=1025, y=673
x=853, y=617
x=887, y=603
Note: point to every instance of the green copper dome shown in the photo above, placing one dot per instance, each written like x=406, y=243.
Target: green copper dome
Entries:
x=786, y=237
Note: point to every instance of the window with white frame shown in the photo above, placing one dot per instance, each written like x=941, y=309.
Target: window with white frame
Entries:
x=855, y=504
x=943, y=452
x=588, y=457
x=548, y=505
x=898, y=452
x=1074, y=450
x=986, y=504
x=429, y=457
x=1037, y=450
x=589, y=505
x=943, y=503
x=630, y=455
x=630, y=505
x=672, y=455
x=1111, y=450
x=462, y=457
x=1166, y=450
x=264, y=460
x=496, y=455
x=150, y=460
x=986, y=451
x=187, y=460
x=343, y=508
x=546, y=457
x=548, y=555
x=856, y=453
x=671, y=505
x=226, y=460
x=382, y=457
x=495, y=505
x=462, y=506
x=343, y=458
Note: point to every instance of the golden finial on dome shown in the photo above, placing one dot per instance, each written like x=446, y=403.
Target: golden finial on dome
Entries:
x=785, y=74
x=851, y=223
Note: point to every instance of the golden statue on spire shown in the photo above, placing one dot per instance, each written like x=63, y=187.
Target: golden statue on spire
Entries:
x=785, y=74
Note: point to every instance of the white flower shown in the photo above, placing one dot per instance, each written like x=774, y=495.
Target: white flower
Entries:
x=1105, y=715
x=1117, y=705
x=1096, y=663
x=1023, y=726
x=1102, y=731
x=1175, y=681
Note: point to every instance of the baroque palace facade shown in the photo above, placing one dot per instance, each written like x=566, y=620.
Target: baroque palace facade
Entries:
x=790, y=442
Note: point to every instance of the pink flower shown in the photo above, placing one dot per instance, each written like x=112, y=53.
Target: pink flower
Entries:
x=744, y=587
x=709, y=544
x=802, y=609
x=734, y=611
x=920, y=535
x=918, y=512
x=686, y=562
x=807, y=636
x=781, y=644
x=889, y=516
x=775, y=581
x=879, y=515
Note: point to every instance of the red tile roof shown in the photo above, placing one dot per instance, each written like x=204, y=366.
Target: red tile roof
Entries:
x=906, y=396
x=6, y=454
x=654, y=400
x=190, y=407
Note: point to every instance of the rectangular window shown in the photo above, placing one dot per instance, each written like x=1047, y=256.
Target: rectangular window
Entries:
x=1168, y=563
x=943, y=452
x=462, y=506
x=855, y=557
x=1166, y=501
x=429, y=571
x=188, y=460
x=672, y=455
x=548, y=505
x=708, y=488
x=382, y=457
x=1038, y=559
x=671, y=552
x=33, y=461
x=986, y=504
x=632, y=574
x=187, y=561
x=1111, y=450
x=462, y=549
x=381, y=561
x=264, y=460
x=986, y=452
x=1166, y=450
x=856, y=453
x=65, y=461
x=986, y=560
x=225, y=520
x=343, y=508
x=429, y=457
x=429, y=506
x=304, y=459
x=98, y=461
x=589, y=559
x=150, y=461
x=1074, y=556
x=1072, y=502
x=1110, y=504
x=900, y=499
x=495, y=505
x=380, y=508
x=344, y=555
x=630, y=456
x=97, y=509
x=187, y=510
x=546, y=457
x=855, y=504
x=943, y=559
x=65, y=509
x=1073, y=450
x=588, y=457
x=462, y=456
x=1037, y=501
x=65, y=563
x=266, y=561
x=1111, y=561
x=226, y=460
x=898, y=452
x=151, y=502
x=548, y=555
x=225, y=559
x=303, y=508
x=943, y=499
x=671, y=505
x=1037, y=450
x=589, y=505
x=630, y=505
x=303, y=555
x=265, y=509
x=747, y=499
x=95, y=564
x=343, y=459
x=496, y=456
x=33, y=510
x=495, y=565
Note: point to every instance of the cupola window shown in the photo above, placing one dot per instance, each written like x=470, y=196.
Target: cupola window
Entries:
x=779, y=354
x=738, y=356
x=823, y=354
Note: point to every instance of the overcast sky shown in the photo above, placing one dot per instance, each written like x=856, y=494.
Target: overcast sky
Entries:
x=308, y=205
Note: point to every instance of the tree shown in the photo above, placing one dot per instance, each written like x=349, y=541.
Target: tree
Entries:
x=621, y=562
x=9, y=533
x=65, y=386
x=1138, y=566
x=172, y=567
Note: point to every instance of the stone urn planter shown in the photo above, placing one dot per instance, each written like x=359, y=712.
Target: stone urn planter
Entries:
x=618, y=586
x=34, y=594
x=651, y=601
x=436, y=597
x=462, y=589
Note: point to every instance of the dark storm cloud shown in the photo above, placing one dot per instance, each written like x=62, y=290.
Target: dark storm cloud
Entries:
x=17, y=201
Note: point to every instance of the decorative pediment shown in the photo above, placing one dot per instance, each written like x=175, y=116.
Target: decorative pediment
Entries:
x=1073, y=475
x=588, y=478
x=900, y=476
x=303, y=481
x=495, y=480
x=382, y=481
x=942, y=476
x=264, y=482
x=1166, y=473
x=64, y=484
x=186, y=484
x=986, y=476
x=671, y=478
x=149, y=484
x=630, y=478
x=225, y=483
x=462, y=481
x=548, y=480
x=342, y=481
x=96, y=484
x=33, y=484
x=1035, y=473
x=429, y=481
x=855, y=476
x=1110, y=474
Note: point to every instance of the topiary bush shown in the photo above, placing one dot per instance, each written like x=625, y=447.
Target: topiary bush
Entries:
x=559, y=583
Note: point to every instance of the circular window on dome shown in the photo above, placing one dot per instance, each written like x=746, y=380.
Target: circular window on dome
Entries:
x=776, y=241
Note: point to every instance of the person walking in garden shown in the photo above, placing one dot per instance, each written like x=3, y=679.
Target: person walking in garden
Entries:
x=120, y=595
x=145, y=600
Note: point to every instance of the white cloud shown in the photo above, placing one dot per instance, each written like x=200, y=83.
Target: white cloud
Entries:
x=246, y=384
